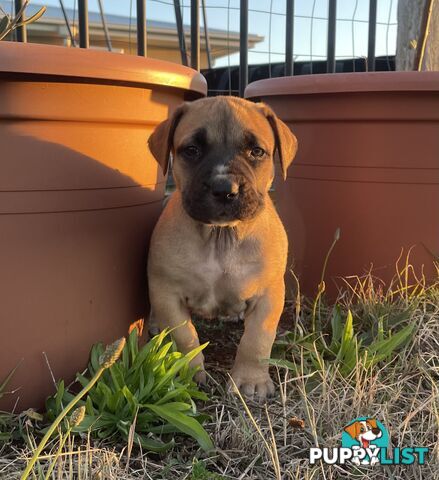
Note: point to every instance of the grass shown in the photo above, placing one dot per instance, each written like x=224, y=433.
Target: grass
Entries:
x=312, y=405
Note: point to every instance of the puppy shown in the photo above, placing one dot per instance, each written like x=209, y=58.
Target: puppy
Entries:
x=219, y=247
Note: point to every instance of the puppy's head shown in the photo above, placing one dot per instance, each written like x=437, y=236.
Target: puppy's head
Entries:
x=223, y=156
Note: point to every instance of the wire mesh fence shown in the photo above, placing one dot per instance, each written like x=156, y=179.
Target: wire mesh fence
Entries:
x=235, y=41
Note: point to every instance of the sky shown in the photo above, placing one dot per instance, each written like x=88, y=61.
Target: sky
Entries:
x=309, y=34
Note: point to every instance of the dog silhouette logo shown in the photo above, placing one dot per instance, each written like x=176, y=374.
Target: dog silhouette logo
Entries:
x=366, y=437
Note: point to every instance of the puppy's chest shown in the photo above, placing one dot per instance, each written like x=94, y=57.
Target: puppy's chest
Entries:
x=219, y=281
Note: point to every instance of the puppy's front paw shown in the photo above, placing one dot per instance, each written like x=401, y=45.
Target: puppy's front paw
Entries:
x=253, y=383
x=200, y=377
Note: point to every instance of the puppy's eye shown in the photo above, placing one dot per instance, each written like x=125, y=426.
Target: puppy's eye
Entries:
x=257, y=152
x=191, y=151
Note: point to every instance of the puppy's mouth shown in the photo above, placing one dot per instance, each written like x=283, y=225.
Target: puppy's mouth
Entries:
x=200, y=206
x=223, y=219
x=217, y=219
x=219, y=223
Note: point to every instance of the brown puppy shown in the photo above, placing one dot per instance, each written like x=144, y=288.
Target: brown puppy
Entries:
x=219, y=247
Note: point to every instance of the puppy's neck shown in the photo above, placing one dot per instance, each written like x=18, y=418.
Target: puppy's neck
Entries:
x=221, y=239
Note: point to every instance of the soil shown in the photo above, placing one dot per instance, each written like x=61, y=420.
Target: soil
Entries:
x=224, y=336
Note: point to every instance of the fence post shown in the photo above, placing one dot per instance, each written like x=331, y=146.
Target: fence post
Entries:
x=372, y=35
x=195, y=34
x=206, y=34
x=66, y=21
x=289, y=38
x=20, y=32
x=243, y=47
x=180, y=32
x=141, y=28
x=332, y=19
x=104, y=25
x=83, y=23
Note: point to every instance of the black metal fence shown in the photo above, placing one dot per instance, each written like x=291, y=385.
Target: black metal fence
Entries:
x=237, y=77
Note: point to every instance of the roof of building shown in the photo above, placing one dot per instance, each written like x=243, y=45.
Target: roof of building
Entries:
x=115, y=21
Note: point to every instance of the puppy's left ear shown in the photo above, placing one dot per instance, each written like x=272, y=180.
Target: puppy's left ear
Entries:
x=161, y=140
x=286, y=142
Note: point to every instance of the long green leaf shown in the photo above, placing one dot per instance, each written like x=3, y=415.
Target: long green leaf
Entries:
x=185, y=424
x=282, y=363
x=347, y=336
x=5, y=382
x=151, y=444
x=178, y=365
x=337, y=325
x=381, y=349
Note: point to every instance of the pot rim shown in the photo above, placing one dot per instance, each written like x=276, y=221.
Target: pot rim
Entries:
x=93, y=66
x=344, y=83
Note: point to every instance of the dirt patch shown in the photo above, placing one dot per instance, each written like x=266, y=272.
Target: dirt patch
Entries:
x=224, y=336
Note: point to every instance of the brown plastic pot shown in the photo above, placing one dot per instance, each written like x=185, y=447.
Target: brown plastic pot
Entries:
x=79, y=196
x=367, y=163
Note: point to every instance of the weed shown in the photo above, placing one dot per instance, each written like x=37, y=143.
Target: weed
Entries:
x=200, y=472
x=148, y=393
x=106, y=360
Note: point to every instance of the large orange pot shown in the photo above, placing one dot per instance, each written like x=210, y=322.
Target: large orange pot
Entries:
x=368, y=162
x=79, y=196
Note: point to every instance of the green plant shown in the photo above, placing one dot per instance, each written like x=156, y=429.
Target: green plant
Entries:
x=148, y=393
x=7, y=420
x=200, y=472
x=8, y=23
x=105, y=360
x=380, y=316
x=346, y=349
x=5, y=382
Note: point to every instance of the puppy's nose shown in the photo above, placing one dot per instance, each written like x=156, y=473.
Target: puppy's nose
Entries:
x=376, y=431
x=224, y=189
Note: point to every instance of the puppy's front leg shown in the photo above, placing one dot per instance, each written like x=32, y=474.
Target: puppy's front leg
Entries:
x=250, y=373
x=169, y=311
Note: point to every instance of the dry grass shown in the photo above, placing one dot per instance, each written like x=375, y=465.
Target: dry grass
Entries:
x=259, y=442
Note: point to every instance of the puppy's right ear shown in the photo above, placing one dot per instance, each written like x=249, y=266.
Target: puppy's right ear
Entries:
x=352, y=430
x=161, y=140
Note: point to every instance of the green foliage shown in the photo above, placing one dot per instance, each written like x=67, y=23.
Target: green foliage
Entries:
x=8, y=425
x=8, y=24
x=379, y=318
x=200, y=472
x=346, y=349
x=146, y=396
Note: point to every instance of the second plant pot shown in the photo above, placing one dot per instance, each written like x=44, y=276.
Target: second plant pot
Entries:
x=367, y=163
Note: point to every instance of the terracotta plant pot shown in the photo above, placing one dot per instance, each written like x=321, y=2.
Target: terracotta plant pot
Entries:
x=367, y=163
x=80, y=194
